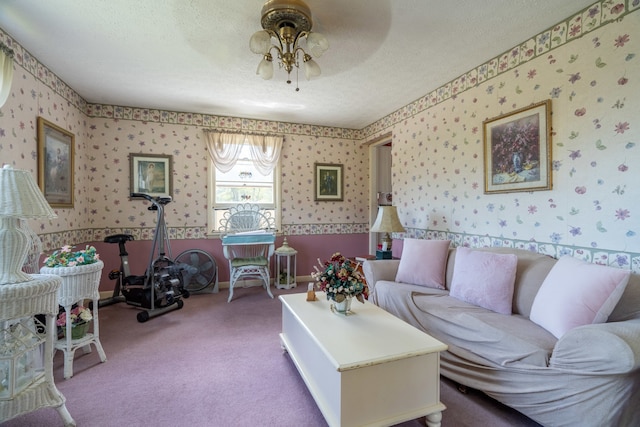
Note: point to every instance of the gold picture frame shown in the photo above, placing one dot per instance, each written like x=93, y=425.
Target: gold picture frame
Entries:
x=328, y=182
x=55, y=164
x=151, y=174
x=517, y=150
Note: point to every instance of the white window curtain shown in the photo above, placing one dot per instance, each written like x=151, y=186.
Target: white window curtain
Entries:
x=6, y=72
x=265, y=151
x=224, y=149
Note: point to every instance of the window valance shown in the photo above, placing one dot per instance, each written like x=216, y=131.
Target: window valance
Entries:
x=224, y=149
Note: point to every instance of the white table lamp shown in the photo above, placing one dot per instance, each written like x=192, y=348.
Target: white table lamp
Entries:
x=20, y=198
x=387, y=222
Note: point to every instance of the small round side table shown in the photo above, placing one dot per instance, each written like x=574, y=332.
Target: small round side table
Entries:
x=32, y=386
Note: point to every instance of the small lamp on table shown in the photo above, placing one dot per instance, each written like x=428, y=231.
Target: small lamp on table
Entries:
x=386, y=222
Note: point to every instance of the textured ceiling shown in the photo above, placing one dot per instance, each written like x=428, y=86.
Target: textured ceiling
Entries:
x=193, y=55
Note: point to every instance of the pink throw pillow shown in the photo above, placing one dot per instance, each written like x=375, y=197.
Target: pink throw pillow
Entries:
x=577, y=293
x=423, y=262
x=485, y=279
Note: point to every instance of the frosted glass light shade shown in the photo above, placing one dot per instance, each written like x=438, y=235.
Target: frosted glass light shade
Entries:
x=311, y=68
x=260, y=42
x=265, y=69
x=317, y=44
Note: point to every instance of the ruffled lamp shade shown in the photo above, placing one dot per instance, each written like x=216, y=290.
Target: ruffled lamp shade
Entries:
x=20, y=199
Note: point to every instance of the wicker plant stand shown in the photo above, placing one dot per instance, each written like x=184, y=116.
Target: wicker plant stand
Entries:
x=78, y=283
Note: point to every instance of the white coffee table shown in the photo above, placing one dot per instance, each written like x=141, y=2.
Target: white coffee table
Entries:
x=367, y=368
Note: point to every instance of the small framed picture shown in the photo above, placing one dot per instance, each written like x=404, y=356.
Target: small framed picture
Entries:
x=517, y=150
x=328, y=183
x=55, y=164
x=151, y=174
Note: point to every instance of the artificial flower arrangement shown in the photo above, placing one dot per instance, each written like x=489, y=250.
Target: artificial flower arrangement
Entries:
x=65, y=257
x=340, y=278
x=78, y=315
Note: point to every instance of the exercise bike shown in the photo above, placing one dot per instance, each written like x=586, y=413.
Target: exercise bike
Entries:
x=162, y=287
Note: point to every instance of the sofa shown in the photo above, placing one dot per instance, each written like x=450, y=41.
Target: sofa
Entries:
x=587, y=374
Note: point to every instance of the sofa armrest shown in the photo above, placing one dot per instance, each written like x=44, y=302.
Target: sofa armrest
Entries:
x=604, y=348
x=383, y=269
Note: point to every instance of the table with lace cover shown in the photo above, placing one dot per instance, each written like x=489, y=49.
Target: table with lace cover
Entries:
x=19, y=303
x=78, y=283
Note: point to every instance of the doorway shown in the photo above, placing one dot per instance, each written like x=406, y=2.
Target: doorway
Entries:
x=380, y=161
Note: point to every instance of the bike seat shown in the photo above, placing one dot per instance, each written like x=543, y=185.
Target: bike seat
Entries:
x=118, y=238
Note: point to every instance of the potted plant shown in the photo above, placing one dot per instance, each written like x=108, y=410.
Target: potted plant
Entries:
x=80, y=317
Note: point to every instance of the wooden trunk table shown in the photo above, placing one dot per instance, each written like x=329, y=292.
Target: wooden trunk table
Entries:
x=368, y=368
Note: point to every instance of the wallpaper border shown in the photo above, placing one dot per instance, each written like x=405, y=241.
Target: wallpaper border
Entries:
x=623, y=260
x=589, y=19
x=595, y=16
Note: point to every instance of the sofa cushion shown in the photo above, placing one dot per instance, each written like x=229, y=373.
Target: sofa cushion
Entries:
x=477, y=335
x=423, y=262
x=484, y=279
x=577, y=293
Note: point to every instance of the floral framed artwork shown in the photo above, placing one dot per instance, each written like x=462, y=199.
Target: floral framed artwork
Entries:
x=517, y=150
x=55, y=163
x=151, y=174
x=328, y=182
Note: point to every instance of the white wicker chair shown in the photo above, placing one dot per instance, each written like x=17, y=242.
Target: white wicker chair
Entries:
x=248, y=242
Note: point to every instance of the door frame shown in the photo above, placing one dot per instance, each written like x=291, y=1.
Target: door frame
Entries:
x=381, y=140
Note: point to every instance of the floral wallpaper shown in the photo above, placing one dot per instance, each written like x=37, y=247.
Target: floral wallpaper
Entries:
x=587, y=65
x=592, y=211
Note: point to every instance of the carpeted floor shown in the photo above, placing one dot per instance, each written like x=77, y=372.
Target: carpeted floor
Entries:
x=212, y=363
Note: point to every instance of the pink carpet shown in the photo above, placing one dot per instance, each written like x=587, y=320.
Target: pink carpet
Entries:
x=212, y=363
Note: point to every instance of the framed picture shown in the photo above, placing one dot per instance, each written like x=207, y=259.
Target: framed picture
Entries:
x=328, y=182
x=55, y=164
x=151, y=174
x=517, y=150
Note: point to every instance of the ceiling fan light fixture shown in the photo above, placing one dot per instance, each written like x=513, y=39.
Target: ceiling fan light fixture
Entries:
x=285, y=24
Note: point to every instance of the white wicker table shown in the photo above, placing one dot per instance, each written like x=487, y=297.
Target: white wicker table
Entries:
x=369, y=368
x=78, y=283
x=19, y=303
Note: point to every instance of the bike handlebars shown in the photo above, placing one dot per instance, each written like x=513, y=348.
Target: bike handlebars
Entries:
x=154, y=200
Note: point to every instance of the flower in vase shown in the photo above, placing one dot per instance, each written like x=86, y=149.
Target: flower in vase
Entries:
x=340, y=278
x=78, y=315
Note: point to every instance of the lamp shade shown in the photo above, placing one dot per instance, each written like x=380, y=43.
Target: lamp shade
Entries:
x=387, y=221
x=20, y=196
x=20, y=199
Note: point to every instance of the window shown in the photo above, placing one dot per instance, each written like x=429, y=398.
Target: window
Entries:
x=243, y=183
